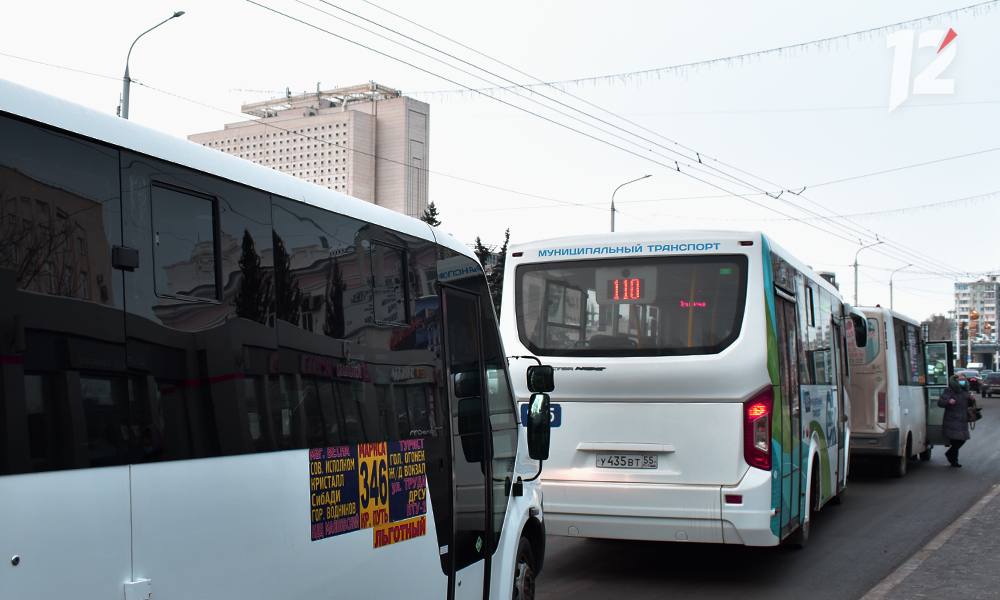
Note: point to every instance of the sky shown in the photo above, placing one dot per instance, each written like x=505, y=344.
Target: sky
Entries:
x=775, y=121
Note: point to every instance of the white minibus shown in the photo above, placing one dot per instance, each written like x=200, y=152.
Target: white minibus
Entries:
x=219, y=381
x=890, y=402
x=701, y=384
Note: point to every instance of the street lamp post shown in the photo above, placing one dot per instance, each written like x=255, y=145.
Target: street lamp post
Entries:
x=856, y=269
x=126, y=80
x=613, y=198
x=891, y=304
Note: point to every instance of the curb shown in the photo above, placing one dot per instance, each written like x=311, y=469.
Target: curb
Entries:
x=884, y=587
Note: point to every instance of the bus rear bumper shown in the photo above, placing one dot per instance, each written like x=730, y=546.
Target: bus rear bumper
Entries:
x=875, y=444
x=662, y=512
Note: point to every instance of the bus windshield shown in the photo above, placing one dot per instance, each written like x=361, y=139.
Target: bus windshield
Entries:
x=631, y=307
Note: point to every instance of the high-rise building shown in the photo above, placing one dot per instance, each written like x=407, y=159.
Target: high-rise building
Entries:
x=368, y=141
x=980, y=334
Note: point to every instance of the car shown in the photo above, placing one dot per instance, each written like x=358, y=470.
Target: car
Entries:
x=990, y=384
x=973, y=376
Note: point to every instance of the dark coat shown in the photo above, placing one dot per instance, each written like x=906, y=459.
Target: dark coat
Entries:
x=956, y=416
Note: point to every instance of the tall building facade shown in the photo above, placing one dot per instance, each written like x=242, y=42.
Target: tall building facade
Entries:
x=983, y=297
x=368, y=141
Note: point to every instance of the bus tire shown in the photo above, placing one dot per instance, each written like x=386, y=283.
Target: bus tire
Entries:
x=839, y=498
x=926, y=454
x=524, y=571
x=800, y=537
x=902, y=463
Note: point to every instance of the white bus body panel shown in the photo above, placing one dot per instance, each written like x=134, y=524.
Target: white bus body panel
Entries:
x=65, y=526
x=255, y=531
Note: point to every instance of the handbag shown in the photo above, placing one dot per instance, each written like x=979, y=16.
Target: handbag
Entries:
x=974, y=412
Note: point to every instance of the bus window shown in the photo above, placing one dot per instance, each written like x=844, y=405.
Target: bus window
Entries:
x=874, y=345
x=184, y=245
x=675, y=305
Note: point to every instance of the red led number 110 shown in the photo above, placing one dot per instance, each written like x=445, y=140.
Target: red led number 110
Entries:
x=628, y=289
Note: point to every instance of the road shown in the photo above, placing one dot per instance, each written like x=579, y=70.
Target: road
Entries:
x=852, y=547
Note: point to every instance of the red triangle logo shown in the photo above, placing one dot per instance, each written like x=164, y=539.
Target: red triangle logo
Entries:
x=948, y=37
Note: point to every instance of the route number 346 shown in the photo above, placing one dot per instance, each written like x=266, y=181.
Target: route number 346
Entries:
x=374, y=482
x=928, y=80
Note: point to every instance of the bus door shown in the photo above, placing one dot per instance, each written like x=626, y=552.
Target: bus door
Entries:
x=64, y=475
x=470, y=446
x=791, y=412
x=840, y=420
x=940, y=366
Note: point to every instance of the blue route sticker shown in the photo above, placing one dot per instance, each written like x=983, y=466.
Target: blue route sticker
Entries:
x=555, y=413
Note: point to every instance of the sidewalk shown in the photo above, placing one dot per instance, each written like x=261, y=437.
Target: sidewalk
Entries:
x=963, y=561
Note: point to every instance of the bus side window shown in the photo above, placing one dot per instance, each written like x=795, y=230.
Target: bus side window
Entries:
x=60, y=215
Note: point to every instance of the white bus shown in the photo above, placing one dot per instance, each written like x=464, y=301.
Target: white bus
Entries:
x=889, y=399
x=700, y=381
x=219, y=381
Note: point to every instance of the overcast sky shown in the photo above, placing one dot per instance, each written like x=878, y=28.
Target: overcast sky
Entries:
x=796, y=119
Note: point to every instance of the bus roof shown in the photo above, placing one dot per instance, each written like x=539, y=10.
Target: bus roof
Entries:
x=638, y=237
x=36, y=106
x=888, y=313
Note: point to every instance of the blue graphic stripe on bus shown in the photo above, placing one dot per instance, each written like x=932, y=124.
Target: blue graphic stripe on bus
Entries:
x=630, y=249
x=555, y=414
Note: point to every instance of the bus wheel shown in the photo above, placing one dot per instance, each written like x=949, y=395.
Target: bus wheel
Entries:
x=524, y=572
x=926, y=454
x=902, y=463
x=839, y=498
x=800, y=537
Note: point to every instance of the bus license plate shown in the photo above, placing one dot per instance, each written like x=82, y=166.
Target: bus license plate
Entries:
x=627, y=461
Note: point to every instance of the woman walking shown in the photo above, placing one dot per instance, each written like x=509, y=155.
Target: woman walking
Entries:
x=955, y=400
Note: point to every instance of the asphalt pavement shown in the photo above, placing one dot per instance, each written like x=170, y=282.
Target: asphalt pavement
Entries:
x=880, y=525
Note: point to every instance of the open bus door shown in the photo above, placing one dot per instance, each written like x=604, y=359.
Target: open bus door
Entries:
x=940, y=367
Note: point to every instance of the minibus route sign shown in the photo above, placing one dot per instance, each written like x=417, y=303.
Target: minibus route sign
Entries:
x=380, y=486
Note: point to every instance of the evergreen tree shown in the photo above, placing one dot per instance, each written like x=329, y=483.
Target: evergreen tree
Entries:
x=495, y=277
x=287, y=296
x=430, y=215
x=334, y=325
x=253, y=299
x=482, y=252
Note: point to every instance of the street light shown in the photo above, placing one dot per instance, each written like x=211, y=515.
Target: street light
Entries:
x=856, y=268
x=891, y=305
x=126, y=80
x=613, y=198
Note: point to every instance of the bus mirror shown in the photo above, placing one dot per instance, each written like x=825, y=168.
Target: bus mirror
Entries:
x=860, y=330
x=540, y=379
x=539, y=427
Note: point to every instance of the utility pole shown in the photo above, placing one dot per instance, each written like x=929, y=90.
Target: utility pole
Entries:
x=856, y=268
x=613, y=198
x=127, y=79
x=892, y=306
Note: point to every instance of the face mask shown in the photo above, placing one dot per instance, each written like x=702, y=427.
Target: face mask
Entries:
x=963, y=383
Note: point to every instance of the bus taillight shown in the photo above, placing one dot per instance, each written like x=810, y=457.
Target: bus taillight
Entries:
x=757, y=429
x=881, y=407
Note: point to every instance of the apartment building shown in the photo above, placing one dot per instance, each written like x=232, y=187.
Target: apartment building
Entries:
x=368, y=141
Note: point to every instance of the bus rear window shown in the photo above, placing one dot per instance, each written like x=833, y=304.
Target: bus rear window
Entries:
x=874, y=347
x=631, y=307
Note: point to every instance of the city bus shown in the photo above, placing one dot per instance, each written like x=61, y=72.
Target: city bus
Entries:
x=892, y=414
x=219, y=381
x=701, y=384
